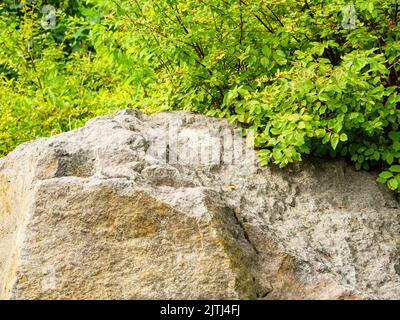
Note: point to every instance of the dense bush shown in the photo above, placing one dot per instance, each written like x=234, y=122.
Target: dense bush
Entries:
x=54, y=80
x=296, y=71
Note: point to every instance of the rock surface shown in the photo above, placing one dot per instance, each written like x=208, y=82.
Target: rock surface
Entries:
x=138, y=207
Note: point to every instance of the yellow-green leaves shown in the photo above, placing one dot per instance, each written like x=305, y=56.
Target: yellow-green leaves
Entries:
x=391, y=177
x=343, y=137
x=393, y=184
x=280, y=57
x=395, y=168
x=334, y=140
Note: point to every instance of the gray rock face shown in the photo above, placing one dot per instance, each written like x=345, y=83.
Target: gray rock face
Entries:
x=173, y=206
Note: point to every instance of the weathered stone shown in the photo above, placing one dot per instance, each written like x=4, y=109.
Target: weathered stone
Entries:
x=172, y=206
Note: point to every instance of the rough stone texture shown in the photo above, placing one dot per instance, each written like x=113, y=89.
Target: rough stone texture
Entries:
x=99, y=213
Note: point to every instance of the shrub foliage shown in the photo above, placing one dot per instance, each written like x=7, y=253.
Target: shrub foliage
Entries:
x=301, y=73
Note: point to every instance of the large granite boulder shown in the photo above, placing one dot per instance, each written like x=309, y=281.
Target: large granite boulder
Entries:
x=173, y=206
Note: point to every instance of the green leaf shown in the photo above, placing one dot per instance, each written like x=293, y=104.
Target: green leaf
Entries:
x=384, y=176
x=370, y=6
x=396, y=145
x=326, y=138
x=369, y=151
x=277, y=154
x=376, y=156
x=334, y=140
x=389, y=158
x=395, y=136
x=52, y=97
x=266, y=50
x=393, y=184
x=395, y=168
x=279, y=57
x=343, y=137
